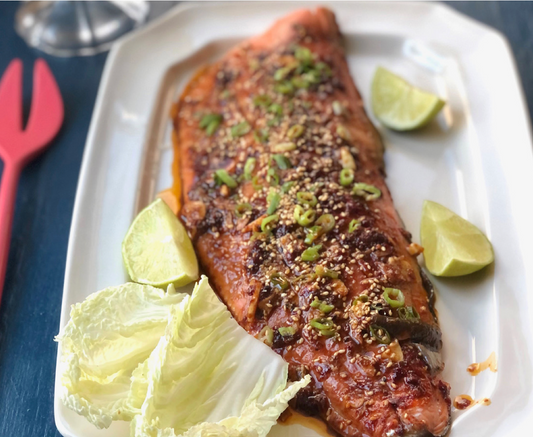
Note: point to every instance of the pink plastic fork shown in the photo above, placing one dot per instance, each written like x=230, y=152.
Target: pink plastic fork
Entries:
x=17, y=145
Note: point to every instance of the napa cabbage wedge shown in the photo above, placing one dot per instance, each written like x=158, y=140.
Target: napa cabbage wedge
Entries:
x=107, y=340
x=208, y=376
x=173, y=364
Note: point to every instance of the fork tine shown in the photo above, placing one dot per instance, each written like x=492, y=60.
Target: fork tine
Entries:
x=11, y=98
x=46, y=114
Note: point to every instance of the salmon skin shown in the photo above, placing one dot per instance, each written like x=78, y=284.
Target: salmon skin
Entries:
x=285, y=200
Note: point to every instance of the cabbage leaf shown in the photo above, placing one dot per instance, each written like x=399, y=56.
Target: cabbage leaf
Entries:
x=107, y=340
x=172, y=364
x=208, y=376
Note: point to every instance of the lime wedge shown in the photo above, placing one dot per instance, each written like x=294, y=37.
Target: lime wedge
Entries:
x=157, y=250
x=399, y=105
x=452, y=245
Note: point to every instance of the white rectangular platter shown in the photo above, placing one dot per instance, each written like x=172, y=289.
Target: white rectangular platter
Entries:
x=476, y=159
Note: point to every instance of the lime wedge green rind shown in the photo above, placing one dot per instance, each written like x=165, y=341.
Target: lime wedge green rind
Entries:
x=452, y=245
x=399, y=105
x=157, y=250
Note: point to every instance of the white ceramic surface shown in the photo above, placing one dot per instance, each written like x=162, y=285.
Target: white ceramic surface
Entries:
x=476, y=159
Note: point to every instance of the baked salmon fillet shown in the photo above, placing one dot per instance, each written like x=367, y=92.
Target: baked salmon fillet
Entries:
x=285, y=200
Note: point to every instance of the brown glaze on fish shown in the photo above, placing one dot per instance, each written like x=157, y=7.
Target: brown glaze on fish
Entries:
x=303, y=261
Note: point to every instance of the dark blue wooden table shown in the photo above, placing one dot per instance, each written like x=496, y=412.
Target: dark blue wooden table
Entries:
x=29, y=315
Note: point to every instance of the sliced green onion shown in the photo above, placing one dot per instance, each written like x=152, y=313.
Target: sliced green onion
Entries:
x=241, y=208
x=286, y=331
x=306, y=198
x=323, y=272
x=223, y=177
x=255, y=183
x=295, y=131
x=210, y=123
x=354, y=225
x=380, y=334
x=343, y=132
x=312, y=234
x=303, y=54
x=211, y=128
x=266, y=335
x=249, y=168
x=270, y=195
x=307, y=217
x=346, y=176
x=274, y=200
x=300, y=82
x=286, y=187
x=285, y=87
x=261, y=135
x=337, y=107
x=279, y=281
x=394, y=297
x=282, y=73
x=321, y=324
x=282, y=162
x=328, y=332
x=208, y=119
x=361, y=298
x=326, y=223
x=275, y=108
x=369, y=192
x=262, y=100
x=298, y=212
x=284, y=147
x=272, y=177
x=268, y=223
x=304, y=218
x=408, y=313
x=308, y=277
x=240, y=129
x=312, y=76
x=311, y=253
x=326, y=308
